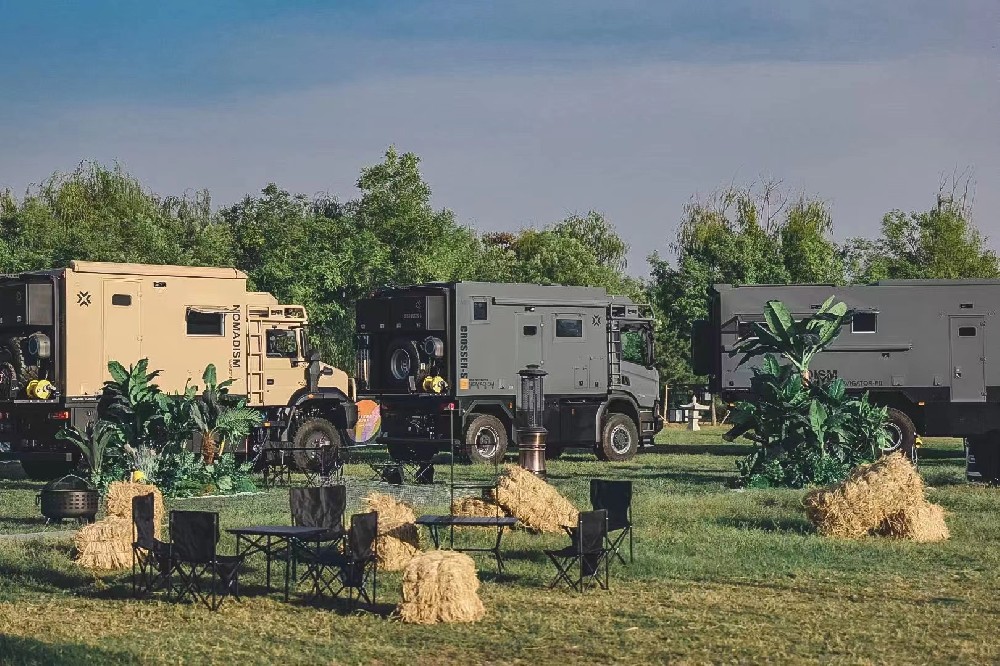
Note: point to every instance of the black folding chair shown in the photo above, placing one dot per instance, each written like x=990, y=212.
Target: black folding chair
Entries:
x=151, y=563
x=332, y=572
x=194, y=537
x=589, y=549
x=321, y=506
x=616, y=498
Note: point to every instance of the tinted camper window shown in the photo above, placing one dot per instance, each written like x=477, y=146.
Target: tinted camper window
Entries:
x=205, y=323
x=864, y=322
x=479, y=311
x=569, y=328
x=966, y=331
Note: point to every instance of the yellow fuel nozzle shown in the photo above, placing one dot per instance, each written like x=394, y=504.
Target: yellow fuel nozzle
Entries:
x=434, y=384
x=40, y=389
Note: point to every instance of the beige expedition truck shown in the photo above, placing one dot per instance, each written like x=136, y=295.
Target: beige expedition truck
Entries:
x=59, y=328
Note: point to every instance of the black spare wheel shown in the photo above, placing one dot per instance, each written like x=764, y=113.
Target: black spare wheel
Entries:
x=486, y=440
x=902, y=435
x=46, y=470
x=402, y=361
x=316, y=445
x=68, y=497
x=619, y=439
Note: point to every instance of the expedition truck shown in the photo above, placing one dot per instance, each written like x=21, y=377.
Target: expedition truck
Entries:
x=922, y=348
x=59, y=328
x=442, y=359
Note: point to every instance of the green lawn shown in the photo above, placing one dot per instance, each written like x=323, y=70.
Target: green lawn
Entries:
x=720, y=576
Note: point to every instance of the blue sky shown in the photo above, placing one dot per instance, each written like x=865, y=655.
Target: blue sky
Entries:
x=521, y=111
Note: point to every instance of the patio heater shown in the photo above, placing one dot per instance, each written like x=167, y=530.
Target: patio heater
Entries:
x=532, y=434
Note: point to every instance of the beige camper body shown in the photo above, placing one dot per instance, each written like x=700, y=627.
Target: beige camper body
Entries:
x=182, y=319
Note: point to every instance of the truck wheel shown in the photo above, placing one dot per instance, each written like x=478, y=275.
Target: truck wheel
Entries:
x=619, y=439
x=317, y=444
x=486, y=440
x=46, y=470
x=410, y=453
x=902, y=435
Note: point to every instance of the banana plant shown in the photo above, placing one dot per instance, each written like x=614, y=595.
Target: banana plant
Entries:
x=219, y=417
x=795, y=341
x=92, y=442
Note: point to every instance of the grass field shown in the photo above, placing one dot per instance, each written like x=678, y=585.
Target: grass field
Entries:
x=720, y=576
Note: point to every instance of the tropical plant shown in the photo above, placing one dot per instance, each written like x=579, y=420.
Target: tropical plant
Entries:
x=92, y=442
x=796, y=341
x=132, y=405
x=804, y=432
x=220, y=417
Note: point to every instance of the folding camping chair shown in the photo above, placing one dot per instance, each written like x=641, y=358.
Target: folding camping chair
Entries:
x=616, y=498
x=351, y=569
x=151, y=565
x=194, y=537
x=589, y=549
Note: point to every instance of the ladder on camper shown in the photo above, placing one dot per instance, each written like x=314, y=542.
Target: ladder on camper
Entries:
x=255, y=361
x=614, y=352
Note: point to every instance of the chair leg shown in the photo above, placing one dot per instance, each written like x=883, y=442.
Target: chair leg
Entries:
x=631, y=557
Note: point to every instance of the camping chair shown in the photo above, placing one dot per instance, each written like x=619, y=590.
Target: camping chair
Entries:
x=151, y=563
x=351, y=569
x=194, y=537
x=589, y=549
x=616, y=498
x=323, y=506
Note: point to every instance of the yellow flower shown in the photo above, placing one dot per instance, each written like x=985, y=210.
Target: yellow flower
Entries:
x=138, y=476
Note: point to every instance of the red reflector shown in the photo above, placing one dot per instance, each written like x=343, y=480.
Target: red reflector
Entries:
x=448, y=407
x=60, y=416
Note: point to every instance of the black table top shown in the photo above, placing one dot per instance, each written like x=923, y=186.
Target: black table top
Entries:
x=471, y=521
x=297, y=531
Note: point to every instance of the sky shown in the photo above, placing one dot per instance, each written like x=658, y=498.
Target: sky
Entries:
x=522, y=111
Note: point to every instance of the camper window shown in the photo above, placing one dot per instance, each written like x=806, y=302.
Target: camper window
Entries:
x=966, y=331
x=281, y=343
x=205, y=323
x=479, y=311
x=569, y=328
x=864, y=322
x=121, y=299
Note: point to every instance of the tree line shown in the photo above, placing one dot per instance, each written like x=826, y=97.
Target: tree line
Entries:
x=325, y=253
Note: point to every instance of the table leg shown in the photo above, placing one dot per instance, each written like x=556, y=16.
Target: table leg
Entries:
x=267, y=554
x=289, y=546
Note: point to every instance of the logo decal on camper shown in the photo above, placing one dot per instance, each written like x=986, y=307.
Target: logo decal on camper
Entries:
x=83, y=299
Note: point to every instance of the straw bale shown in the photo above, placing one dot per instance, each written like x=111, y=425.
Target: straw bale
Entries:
x=119, y=501
x=860, y=504
x=536, y=504
x=476, y=507
x=398, y=537
x=441, y=586
x=922, y=522
x=106, y=544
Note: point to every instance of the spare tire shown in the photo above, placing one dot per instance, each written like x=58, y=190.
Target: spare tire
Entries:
x=402, y=361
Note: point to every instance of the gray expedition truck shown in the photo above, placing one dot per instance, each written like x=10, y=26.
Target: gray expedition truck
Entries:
x=922, y=348
x=434, y=352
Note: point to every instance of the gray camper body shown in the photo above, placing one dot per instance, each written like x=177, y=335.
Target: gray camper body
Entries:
x=485, y=333
x=924, y=348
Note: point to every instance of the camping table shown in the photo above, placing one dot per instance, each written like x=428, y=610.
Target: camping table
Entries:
x=434, y=523
x=268, y=539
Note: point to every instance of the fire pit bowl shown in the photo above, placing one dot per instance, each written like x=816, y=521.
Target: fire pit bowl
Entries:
x=68, y=497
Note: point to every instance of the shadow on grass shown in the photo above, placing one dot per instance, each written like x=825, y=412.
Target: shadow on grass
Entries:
x=20, y=484
x=18, y=651
x=784, y=525
x=705, y=449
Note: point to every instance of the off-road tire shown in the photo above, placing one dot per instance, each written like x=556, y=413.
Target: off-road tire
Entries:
x=485, y=440
x=25, y=372
x=46, y=470
x=410, y=453
x=412, y=351
x=311, y=453
x=619, y=439
x=903, y=434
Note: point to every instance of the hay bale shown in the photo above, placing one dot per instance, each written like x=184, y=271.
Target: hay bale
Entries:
x=398, y=537
x=106, y=544
x=860, y=504
x=476, y=507
x=536, y=504
x=119, y=501
x=440, y=586
x=922, y=523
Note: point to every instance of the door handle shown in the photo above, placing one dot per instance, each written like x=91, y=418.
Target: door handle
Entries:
x=958, y=371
